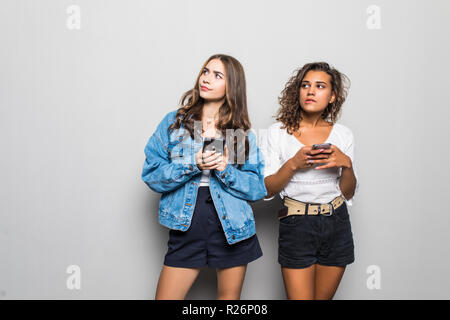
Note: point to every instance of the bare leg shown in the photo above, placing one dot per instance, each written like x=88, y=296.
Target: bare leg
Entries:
x=299, y=283
x=327, y=281
x=229, y=282
x=174, y=283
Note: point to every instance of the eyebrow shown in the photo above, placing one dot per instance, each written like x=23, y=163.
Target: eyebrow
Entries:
x=316, y=81
x=215, y=71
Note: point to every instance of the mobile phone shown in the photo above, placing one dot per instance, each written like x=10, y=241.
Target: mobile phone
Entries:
x=321, y=146
x=212, y=144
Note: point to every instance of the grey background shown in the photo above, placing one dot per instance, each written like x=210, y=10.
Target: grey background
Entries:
x=78, y=106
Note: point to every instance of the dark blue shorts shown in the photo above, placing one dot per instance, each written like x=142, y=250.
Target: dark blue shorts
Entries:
x=204, y=243
x=305, y=240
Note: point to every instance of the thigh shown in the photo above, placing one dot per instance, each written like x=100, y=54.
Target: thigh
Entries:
x=299, y=283
x=174, y=283
x=327, y=280
x=229, y=282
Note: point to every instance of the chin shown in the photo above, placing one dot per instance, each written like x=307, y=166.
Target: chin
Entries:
x=212, y=99
x=312, y=110
x=204, y=96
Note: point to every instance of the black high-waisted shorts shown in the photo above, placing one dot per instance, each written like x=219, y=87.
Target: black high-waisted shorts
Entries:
x=316, y=239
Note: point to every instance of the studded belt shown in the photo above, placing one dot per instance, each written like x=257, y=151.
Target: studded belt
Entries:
x=295, y=207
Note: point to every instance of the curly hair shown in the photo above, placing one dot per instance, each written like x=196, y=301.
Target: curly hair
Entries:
x=290, y=111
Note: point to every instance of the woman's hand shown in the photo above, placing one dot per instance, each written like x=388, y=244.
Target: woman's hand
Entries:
x=333, y=157
x=211, y=160
x=223, y=160
x=305, y=157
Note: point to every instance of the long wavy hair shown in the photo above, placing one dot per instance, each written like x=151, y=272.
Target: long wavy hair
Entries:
x=233, y=113
x=290, y=111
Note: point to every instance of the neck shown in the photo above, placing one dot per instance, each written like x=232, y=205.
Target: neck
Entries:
x=211, y=108
x=312, y=120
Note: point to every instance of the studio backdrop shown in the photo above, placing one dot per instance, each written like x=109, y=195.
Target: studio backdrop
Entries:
x=84, y=83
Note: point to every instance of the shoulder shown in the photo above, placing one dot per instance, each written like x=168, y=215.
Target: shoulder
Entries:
x=168, y=119
x=277, y=134
x=275, y=129
x=164, y=124
x=170, y=116
x=276, y=126
x=344, y=133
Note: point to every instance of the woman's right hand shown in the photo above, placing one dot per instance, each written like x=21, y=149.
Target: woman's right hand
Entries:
x=303, y=158
x=208, y=160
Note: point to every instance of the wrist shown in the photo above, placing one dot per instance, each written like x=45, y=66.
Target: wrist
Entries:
x=223, y=173
x=222, y=168
x=348, y=164
x=291, y=165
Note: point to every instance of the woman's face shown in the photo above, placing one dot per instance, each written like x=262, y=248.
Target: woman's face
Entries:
x=212, y=82
x=315, y=91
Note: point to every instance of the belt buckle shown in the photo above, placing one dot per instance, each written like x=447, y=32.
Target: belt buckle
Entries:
x=331, y=210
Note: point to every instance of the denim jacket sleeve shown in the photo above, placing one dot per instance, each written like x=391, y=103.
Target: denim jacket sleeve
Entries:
x=159, y=172
x=247, y=182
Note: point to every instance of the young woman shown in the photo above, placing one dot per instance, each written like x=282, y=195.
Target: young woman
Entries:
x=315, y=237
x=205, y=194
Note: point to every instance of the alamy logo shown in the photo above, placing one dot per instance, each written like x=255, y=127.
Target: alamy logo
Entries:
x=73, y=21
x=374, y=20
x=231, y=135
x=73, y=282
x=374, y=280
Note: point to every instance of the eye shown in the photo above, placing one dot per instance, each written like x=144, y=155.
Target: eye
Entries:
x=321, y=86
x=304, y=85
x=205, y=71
x=218, y=76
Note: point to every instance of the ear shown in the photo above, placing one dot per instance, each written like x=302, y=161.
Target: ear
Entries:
x=333, y=97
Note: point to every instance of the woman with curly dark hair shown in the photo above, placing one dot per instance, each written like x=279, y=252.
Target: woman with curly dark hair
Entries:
x=309, y=162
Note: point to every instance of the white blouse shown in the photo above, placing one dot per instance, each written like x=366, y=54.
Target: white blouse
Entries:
x=204, y=179
x=307, y=184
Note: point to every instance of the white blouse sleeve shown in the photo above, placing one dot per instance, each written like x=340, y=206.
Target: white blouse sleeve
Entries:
x=271, y=152
x=349, y=150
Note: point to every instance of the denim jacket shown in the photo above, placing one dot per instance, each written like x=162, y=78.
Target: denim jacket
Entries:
x=170, y=169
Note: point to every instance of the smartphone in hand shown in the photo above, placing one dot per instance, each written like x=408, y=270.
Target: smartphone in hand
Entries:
x=213, y=144
x=321, y=146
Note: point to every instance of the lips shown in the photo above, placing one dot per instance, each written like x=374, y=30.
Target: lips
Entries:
x=204, y=88
x=309, y=100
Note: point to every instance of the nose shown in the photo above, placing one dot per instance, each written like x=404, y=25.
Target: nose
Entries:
x=206, y=78
x=311, y=91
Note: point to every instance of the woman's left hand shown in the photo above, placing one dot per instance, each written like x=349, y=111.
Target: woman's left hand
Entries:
x=333, y=157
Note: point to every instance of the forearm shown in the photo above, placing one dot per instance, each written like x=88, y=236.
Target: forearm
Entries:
x=244, y=184
x=347, y=183
x=165, y=177
x=162, y=173
x=277, y=181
